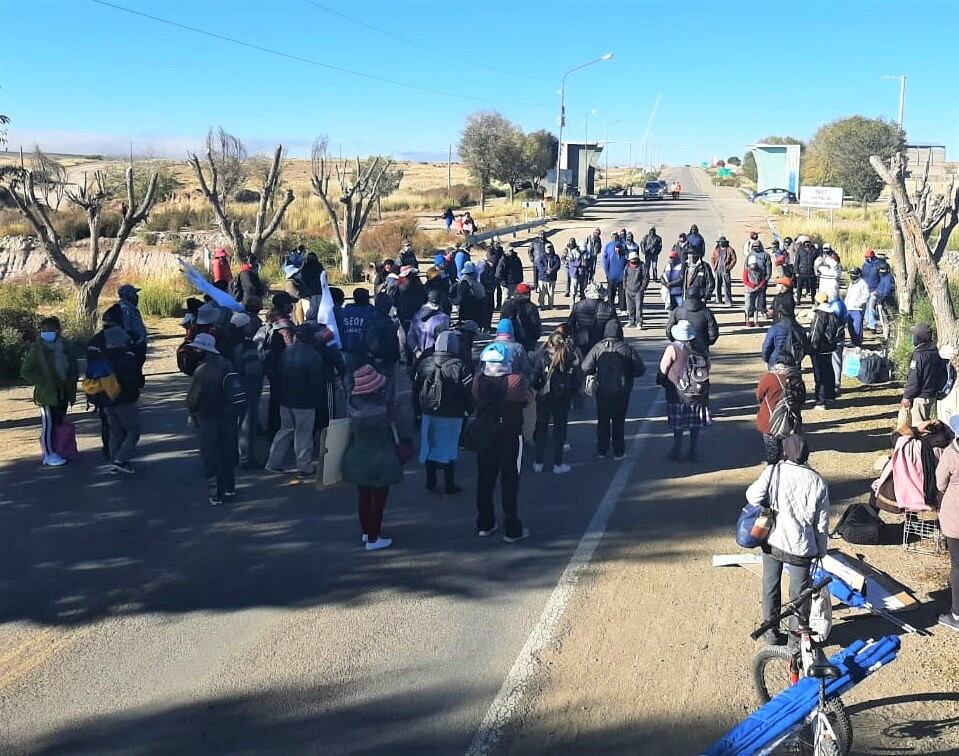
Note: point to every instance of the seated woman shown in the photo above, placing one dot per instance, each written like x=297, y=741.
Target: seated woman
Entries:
x=908, y=479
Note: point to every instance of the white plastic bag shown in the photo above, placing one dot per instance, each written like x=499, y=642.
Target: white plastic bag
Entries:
x=820, y=614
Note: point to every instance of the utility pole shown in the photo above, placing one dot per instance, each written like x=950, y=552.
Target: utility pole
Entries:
x=902, y=96
x=606, y=147
x=449, y=175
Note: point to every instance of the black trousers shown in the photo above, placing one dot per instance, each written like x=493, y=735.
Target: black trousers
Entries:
x=617, y=293
x=500, y=461
x=611, y=423
x=555, y=410
x=634, y=305
x=825, y=377
x=218, y=450
x=953, y=546
x=805, y=283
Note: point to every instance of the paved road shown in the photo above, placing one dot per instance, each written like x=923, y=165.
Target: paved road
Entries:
x=138, y=619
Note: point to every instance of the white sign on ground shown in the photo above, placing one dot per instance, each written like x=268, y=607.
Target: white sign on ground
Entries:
x=827, y=197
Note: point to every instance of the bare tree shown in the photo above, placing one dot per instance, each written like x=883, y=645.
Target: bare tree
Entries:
x=361, y=186
x=221, y=162
x=91, y=197
x=916, y=245
x=49, y=177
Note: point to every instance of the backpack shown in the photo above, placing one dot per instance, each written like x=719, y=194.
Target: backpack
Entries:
x=949, y=383
x=610, y=374
x=792, y=346
x=783, y=420
x=693, y=386
x=187, y=358
x=431, y=393
x=860, y=524
x=235, y=392
x=247, y=359
x=100, y=383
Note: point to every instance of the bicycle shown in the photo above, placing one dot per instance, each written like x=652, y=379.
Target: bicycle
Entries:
x=828, y=731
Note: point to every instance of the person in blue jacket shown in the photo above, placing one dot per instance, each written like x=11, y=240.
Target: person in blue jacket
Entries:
x=355, y=323
x=785, y=336
x=460, y=259
x=614, y=263
x=870, y=274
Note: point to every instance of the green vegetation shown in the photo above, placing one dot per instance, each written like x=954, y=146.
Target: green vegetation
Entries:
x=29, y=296
x=564, y=208
x=163, y=297
x=17, y=331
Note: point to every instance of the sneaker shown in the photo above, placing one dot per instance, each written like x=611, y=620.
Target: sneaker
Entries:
x=365, y=538
x=619, y=457
x=537, y=467
x=216, y=500
x=567, y=447
x=516, y=539
x=774, y=638
x=53, y=460
x=486, y=533
x=561, y=469
x=820, y=407
x=949, y=620
x=379, y=543
x=121, y=467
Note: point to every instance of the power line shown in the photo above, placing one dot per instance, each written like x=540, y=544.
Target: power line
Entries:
x=420, y=45
x=308, y=61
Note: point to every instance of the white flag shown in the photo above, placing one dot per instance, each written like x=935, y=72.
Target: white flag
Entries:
x=222, y=298
x=325, y=312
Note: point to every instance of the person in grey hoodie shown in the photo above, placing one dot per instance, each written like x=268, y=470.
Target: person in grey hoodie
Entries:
x=800, y=498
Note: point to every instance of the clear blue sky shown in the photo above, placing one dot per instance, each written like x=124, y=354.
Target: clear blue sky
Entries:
x=79, y=76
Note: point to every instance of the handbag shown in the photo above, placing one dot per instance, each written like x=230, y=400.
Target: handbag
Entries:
x=65, y=440
x=756, y=521
x=405, y=450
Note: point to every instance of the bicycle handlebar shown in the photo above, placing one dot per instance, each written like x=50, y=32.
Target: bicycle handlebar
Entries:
x=791, y=608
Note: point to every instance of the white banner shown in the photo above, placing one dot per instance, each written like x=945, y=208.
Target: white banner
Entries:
x=828, y=197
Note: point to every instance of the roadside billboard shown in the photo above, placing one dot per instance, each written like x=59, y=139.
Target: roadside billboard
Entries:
x=826, y=197
x=777, y=166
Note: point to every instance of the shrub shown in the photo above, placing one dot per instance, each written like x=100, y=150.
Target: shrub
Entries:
x=162, y=297
x=175, y=217
x=246, y=195
x=384, y=240
x=18, y=328
x=564, y=208
x=29, y=296
x=14, y=224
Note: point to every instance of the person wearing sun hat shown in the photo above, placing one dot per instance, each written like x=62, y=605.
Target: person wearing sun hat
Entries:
x=501, y=393
x=370, y=461
x=682, y=415
x=214, y=418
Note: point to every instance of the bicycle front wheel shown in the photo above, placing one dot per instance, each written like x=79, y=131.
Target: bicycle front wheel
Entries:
x=771, y=671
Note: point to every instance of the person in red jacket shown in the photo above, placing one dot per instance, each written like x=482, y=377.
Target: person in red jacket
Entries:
x=754, y=279
x=222, y=275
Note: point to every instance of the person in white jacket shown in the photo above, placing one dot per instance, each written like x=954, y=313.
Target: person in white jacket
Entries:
x=856, y=297
x=829, y=271
x=800, y=498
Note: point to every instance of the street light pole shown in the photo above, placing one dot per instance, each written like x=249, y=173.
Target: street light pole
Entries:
x=902, y=95
x=606, y=147
x=562, y=113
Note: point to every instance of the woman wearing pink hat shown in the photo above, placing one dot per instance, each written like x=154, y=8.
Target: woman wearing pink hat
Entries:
x=370, y=461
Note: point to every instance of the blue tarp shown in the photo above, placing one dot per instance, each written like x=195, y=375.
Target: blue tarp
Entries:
x=790, y=708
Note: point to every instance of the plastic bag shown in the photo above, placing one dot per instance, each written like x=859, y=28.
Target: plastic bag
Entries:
x=820, y=614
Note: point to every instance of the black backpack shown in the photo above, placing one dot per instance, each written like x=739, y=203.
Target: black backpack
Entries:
x=235, y=392
x=431, y=393
x=611, y=374
x=248, y=360
x=693, y=386
x=860, y=524
x=949, y=383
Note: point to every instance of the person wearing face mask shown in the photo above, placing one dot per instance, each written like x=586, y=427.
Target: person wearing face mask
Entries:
x=49, y=367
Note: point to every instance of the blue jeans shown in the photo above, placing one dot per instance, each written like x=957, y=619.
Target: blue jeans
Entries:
x=854, y=323
x=872, y=311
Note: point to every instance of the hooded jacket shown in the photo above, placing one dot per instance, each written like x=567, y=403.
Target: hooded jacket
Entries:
x=651, y=245
x=409, y=299
x=220, y=268
x=701, y=319
x=206, y=398
x=382, y=344
x=38, y=369
x=857, y=295
x=870, y=273
x=723, y=259
x=695, y=240
x=509, y=270
x=456, y=397
x=471, y=298
x=614, y=262
x=544, y=381
x=587, y=322
x=304, y=377
x=614, y=344
x=548, y=265
x=427, y=324
x=927, y=373
x=700, y=276
x=806, y=260
x=635, y=278
x=825, y=331
x=527, y=325
x=777, y=336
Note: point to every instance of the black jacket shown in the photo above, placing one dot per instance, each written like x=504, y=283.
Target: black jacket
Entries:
x=456, y=393
x=635, y=278
x=697, y=242
x=129, y=374
x=382, y=342
x=702, y=321
x=613, y=343
x=806, y=261
x=304, y=378
x=471, y=306
x=700, y=276
x=545, y=382
x=587, y=322
x=927, y=373
x=651, y=245
x=825, y=331
x=509, y=271
x=206, y=398
x=409, y=299
x=527, y=326
x=247, y=283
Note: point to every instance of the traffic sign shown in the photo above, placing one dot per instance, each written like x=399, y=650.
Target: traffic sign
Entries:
x=826, y=197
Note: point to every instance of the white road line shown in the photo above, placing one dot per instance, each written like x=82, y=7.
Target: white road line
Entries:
x=511, y=694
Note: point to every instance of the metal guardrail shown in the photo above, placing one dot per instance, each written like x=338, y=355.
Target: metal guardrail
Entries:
x=506, y=230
